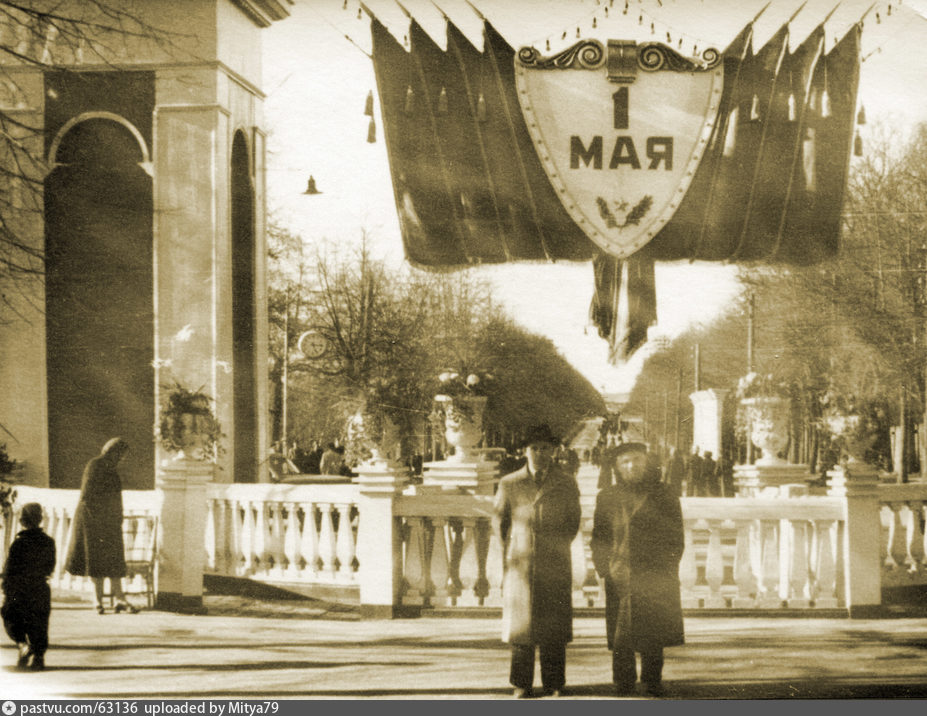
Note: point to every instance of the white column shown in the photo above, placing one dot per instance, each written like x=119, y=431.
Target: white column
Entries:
x=707, y=412
x=181, y=485
x=379, y=540
x=858, y=483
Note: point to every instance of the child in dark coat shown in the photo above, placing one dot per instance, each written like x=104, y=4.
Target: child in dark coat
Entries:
x=27, y=597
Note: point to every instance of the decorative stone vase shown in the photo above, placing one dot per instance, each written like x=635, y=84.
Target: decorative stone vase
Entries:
x=373, y=438
x=856, y=436
x=463, y=425
x=769, y=426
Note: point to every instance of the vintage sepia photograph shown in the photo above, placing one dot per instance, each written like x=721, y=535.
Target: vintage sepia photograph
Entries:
x=462, y=350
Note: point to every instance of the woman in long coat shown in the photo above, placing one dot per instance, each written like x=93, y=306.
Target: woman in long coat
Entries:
x=96, y=548
x=536, y=517
x=637, y=542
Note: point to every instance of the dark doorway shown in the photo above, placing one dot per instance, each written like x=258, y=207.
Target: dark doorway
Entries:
x=245, y=402
x=99, y=303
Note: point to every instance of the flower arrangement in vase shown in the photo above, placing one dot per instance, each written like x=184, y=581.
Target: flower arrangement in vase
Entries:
x=187, y=426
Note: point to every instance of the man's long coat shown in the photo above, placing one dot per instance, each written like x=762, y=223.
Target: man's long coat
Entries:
x=637, y=542
x=536, y=526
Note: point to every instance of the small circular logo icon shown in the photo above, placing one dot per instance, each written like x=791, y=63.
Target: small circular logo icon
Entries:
x=9, y=708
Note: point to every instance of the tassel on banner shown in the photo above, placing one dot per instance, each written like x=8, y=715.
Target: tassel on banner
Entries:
x=372, y=132
x=410, y=101
x=792, y=115
x=368, y=105
x=755, y=109
x=442, y=101
x=858, y=145
x=825, y=104
x=481, y=108
x=861, y=116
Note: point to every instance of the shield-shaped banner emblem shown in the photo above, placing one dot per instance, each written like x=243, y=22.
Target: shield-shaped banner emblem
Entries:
x=620, y=132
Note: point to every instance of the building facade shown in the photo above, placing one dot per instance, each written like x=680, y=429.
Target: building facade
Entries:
x=145, y=206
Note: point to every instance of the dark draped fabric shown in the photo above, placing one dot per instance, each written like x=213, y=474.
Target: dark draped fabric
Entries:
x=470, y=188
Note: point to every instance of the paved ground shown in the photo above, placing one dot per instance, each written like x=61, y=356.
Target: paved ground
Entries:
x=250, y=649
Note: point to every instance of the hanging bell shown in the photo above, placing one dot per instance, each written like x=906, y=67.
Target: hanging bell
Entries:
x=755, y=109
x=825, y=104
x=311, y=187
x=442, y=101
x=481, y=108
x=861, y=115
x=410, y=101
x=858, y=145
x=372, y=132
x=368, y=106
x=792, y=113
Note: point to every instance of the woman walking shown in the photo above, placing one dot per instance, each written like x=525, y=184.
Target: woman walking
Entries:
x=96, y=547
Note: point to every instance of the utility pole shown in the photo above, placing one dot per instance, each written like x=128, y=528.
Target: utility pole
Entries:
x=698, y=366
x=678, y=401
x=284, y=377
x=751, y=314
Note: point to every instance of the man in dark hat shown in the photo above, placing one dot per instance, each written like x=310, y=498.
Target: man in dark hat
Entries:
x=637, y=542
x=536, y=517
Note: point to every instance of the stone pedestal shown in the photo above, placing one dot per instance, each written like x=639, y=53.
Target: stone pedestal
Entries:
x=181, y=485
x=858, y=483
x=707, y=412
x=475, y=477
x=771, y=480
x=379, y=540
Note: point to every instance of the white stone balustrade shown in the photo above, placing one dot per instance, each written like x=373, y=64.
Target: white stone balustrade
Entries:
x=742, y=554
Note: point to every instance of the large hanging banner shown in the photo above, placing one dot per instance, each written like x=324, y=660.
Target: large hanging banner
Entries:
x=619, y=153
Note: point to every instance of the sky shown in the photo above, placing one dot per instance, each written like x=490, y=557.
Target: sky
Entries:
x=317, y=74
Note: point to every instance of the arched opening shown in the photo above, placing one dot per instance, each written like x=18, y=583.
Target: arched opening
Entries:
x=243, y=317
x=99, y=302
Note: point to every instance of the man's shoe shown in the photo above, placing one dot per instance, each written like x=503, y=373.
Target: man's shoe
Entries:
x=555, y=693
x=655, y=690
x=125, y=607
x=520, y=693
x=24, y=653
x=624, y=689
x=38, y=663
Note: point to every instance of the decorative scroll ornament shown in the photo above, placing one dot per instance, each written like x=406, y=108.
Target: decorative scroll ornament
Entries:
x=585, y=55
x=621, y=135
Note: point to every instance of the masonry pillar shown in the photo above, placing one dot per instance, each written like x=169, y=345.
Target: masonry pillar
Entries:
x=707, y=412
x=181, y=485
x=858, y=483
x=379, y=540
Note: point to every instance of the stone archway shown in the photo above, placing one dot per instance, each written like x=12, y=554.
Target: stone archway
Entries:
x=243, y=313
x=99, y=298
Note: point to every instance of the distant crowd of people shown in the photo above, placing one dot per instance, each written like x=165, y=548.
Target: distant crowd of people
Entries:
x=695, y=475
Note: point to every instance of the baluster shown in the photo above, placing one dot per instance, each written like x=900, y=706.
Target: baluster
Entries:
x=247, y=537
x=439, y=572
x=346, y=544
x=494, y=571
x=276, y=543
x=482, y=534
x=824, y=567
x=799, y=596
x=714, y=567
x=414, y=566
x=913, y=532
x=768, y=577
x=291, y=541
x=262, y=537
x=744, y=570
x=455, y=544
x=688, y=570
x=236, y=521
x=891, y=548
x=309, y=542
x=210, y=537
x=469, y=564
x=327, y=547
